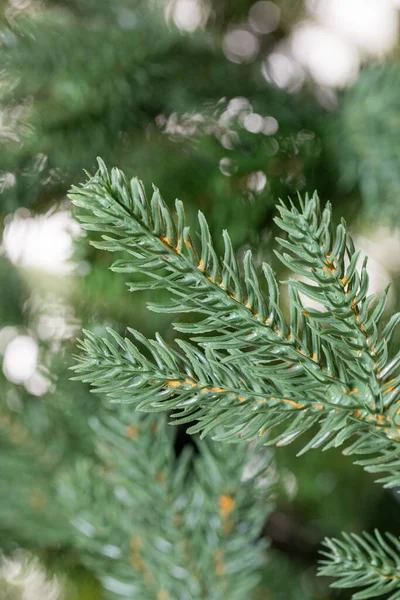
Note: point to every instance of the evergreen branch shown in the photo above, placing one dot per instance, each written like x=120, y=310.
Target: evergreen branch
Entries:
x=370, y=562
x=198, y=280
x=249, y=370
x=219, y=496
x=200, y=387
x=196, y=384
x=321, y=257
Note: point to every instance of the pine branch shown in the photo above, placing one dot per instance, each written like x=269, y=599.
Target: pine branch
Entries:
x=246, y=368
x=153, y=526
x=370, y=562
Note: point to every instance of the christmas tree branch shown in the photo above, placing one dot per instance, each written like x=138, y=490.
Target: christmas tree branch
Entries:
x=247, y=365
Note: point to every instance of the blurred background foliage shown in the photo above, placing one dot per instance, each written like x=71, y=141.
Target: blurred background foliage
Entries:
x=228, y=106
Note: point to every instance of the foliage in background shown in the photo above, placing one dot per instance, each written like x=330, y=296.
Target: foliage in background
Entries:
x=80, y=79
x=144, y=518
x=366, y=128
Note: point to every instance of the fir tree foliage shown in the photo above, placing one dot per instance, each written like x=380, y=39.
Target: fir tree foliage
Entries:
x=142, y=517
x=369, y=155
x=370, y=561
x=246, y=370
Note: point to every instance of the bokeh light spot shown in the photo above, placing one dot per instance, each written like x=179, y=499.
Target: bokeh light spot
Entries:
x=20, y=358
x=271, y=126
x=264, y=17
x=253, y=123
x=256, y=181
x=372, y=25
x=240, y=45
x=44, y=242
x=330, y=59
x=284, y=71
